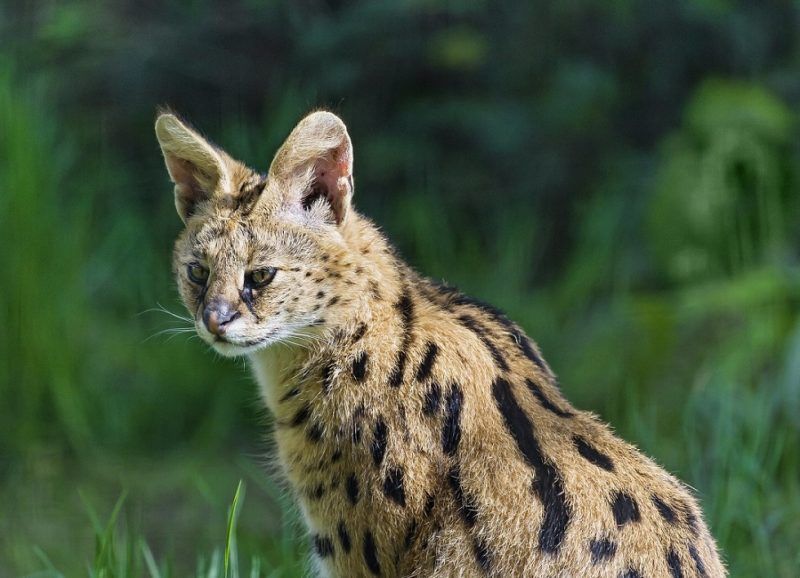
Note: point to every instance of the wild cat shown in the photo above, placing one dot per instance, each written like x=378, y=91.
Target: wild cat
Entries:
x=420, y=430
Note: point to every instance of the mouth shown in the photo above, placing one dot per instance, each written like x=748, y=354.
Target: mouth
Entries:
x=238, y=348
x=231, y=347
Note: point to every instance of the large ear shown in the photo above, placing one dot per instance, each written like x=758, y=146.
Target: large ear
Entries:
x=195, y=166
x=317, y=161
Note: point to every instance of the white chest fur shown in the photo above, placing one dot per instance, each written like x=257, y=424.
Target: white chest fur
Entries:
x=273, y=368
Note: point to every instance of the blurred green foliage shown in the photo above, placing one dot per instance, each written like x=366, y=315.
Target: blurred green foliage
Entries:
x=621, y=177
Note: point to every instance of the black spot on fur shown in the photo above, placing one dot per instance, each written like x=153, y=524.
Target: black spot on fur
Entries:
x=698, y=562
x=344, y=536
x=393, y=486
x=666, y=512
x=320, y=294
x=360, y=331
x=358, y=415
x=334, y=300
x=602, y=550
x=371, y=554
x=426, y=367
x=337, y=455
x=406, y=308
x=433, y=398
x=451, y=428
x=430, y=502
x=323, y=546
x=674, y=564
x=546, y=403
x=379, y=437
x=592, y=454
x=411, y=533
x=396, y=377
x=301, y=416
x=625, y=509
x=317, y=492
x=466, y=505
x=294, y=392
x=360, y=366
x=547, y=484
x=351, y=487
x=314, y=433
x=630, y=573
x=375, y=291
x=482, y=555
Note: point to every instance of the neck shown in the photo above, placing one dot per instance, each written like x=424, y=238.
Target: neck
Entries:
x=372, y=299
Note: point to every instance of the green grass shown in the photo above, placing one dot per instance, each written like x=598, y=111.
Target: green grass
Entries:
x=124, y=554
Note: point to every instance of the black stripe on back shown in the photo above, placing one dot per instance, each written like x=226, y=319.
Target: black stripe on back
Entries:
x=698, y=562
x=664, y=509
x=592, y=454
x=674, y=564
x=515, y=334
x=547, y=484
x=451, y=428
x=426, y=367
x=405, y=307
x=480, y=331
x=546, y=403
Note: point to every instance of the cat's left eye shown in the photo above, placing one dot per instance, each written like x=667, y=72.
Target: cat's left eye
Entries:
x=197, y=273
x=261, y=277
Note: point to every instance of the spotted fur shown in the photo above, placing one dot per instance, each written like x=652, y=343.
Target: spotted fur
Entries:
x=420, y=430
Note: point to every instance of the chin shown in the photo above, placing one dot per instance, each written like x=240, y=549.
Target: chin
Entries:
x=232, y=349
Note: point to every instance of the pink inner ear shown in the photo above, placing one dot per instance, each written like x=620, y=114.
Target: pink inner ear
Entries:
x=188, y=178
x=333, y=177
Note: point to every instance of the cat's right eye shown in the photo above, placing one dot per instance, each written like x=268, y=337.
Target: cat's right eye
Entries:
x=197, y=273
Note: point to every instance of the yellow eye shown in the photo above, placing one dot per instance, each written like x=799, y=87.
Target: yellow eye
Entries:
x=261, y=277
x=197, y=273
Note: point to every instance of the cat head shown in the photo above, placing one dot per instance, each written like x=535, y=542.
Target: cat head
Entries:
x=262, y=258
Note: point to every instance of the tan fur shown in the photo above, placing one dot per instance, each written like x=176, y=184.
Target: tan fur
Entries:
x=496, y=479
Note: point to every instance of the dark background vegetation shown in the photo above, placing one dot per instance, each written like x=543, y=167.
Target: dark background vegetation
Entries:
x=620, y=176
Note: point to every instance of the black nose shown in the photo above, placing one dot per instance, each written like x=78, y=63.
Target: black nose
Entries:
x=217, y=315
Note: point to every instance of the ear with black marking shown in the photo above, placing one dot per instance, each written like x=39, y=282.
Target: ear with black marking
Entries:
x=196, y=167
x=317, y=160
